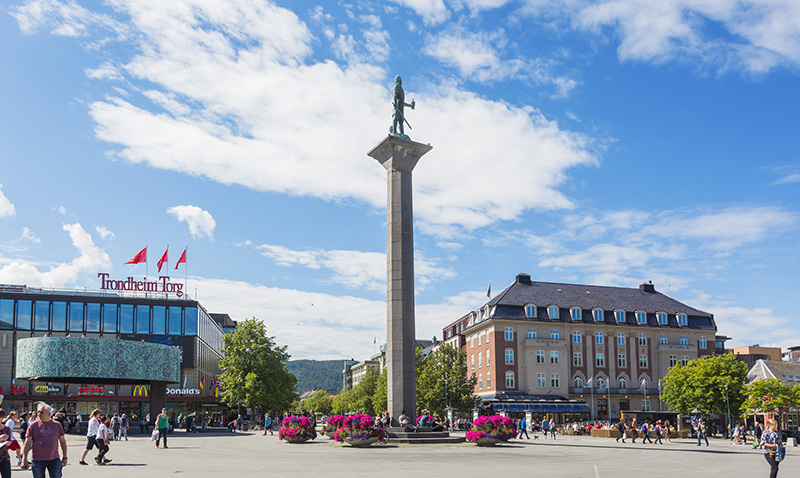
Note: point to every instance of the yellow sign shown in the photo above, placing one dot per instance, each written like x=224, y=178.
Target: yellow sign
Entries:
x=140, y=391
x=42, y=389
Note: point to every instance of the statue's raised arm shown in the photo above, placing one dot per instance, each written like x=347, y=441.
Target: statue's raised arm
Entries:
x=399, y=104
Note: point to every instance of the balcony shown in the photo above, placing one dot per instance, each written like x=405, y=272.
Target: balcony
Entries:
x=614, y=391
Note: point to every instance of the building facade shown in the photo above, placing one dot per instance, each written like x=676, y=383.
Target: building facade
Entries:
x=605, y=346
x=150, y=317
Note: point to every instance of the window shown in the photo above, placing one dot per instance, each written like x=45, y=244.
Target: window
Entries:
x=480, y=360
x=620, y=338
x=682, y=320
x=531, y=333
x=623, y=384
x=577, y=359
x=641, y=317
x=510, y=381
x=684, y=340
x=702, y=343
x=76, y=317
x=600, y=360
x=540, y=380
x=509, y=356
x=190, y=321
x=24, y=314
x=622, y=361
x=662, y=318
x=159, y=319
x=480, y=382
x=662, y=339
x=555, y=381
x=175, y=320
x=540, y=356
x=142, y=319
x=488, y=380
x=472, y=342
x=601, y=383
x=41, y=315
x=597, y=314
x=110, y=318
x=6, y=313
x=552, y=312
x=472, y=362
x=576, y=337
x=643, y=361
x=486, y=336
x=598, y=338
x=93, y=317
x=479, y=340
x=60, y=316
x=645, y=405
x=509, y=333
x=642, y=339
x=578, y=382
x=684, y=360
x=619, y=315
x=554, y=334
x=553, y=357
x=575, y=313
x=488, y=361
x=673, y=360
x=530, y=311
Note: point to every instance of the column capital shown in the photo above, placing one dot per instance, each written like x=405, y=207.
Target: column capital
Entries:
x=395, y=152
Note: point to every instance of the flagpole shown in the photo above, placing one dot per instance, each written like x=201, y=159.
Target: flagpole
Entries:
x=591, y=390
x=186, y=271
x=146, y=267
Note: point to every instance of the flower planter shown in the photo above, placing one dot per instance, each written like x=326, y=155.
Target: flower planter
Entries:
x=487, y=441
x=296, y=440
x=329, y=434
x=360, y=442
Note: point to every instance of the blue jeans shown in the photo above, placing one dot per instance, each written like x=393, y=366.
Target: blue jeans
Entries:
x=701, y=436
x=53, y=467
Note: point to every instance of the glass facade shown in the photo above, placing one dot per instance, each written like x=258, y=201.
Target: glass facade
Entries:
x=59, y=322
x=159, y=320
x=110, y=318
x=6, y=313
x=75, y=317
x=24, y=314
x=41, y=315
x=93, y=317
x=126, y=319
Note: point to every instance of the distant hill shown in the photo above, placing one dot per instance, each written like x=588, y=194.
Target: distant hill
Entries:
x=313, y=374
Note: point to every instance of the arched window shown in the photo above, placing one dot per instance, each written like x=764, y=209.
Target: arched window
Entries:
x=552, y=312
x=662, y=318
x=641, y=317
x=578, y=382
x=509, y=356
x=619, y=315
x=623, y=384
x=597, y=314
x=488, y=376
x=682, y=319
x=575, y=313
x=530, y=311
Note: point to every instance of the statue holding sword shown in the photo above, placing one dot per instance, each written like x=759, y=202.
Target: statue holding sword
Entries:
x=399, y=104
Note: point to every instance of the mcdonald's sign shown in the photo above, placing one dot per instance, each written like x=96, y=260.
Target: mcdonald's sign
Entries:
x=140, y=391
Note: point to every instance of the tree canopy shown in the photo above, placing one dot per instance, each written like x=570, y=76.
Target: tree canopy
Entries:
x=444, y=381
x=319, y=401
x=254, y=369
x=770, y=395
x=702, y=384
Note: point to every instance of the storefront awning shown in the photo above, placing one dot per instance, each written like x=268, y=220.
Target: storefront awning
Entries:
x=541, y=407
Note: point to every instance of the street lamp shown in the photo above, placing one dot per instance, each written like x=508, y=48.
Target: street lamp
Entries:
x=728, y=417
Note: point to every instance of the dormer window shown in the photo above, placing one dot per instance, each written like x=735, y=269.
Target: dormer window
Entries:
x=575, y=313
x=662, y=318
x=552, y=312
x=682, y=319
x=486, y=312
x=471, y=318
x=619, y=315
x=641, y=317
x=597, y=314
x=530, y=311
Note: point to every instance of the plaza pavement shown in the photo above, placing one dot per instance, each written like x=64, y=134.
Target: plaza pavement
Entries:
x=222, y=454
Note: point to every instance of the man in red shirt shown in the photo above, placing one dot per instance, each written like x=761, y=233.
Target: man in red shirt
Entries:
x=43, y=437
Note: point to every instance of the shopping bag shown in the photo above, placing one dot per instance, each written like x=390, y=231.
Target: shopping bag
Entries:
x=154, y=436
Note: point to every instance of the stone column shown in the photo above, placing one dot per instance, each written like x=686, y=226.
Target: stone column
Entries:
x=158, y=398
x=399, y=156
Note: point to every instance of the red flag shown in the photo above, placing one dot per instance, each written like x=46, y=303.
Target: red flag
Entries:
x=182, y=259
x=140, y=257
x=163, y=259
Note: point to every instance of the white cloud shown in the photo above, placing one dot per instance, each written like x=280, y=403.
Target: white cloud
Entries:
x=90, y=260
x=737, y=323
x=201, y=223
x=62, y=18
x=105, y=233
x=28, y=235
x=7, y=209
x=787, y=179
x=431, y=11
x=355, y=269
x=758, y=35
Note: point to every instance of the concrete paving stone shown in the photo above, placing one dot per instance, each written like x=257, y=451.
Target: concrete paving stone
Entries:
x=224, y=454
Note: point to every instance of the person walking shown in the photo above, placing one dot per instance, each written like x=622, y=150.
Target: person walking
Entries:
x=162, y=425
x=43, y=438
x=667, y=431
x=123, y=427
x=621, y=430
x=552, y=429
x=701, y=432
x=658, y=432
x=115, y=426
x=771, y=441
x=91, y=434
x=11, y=423
x=646, y=432
x=545, y=427
x=103, y=440
x=5, y=434
x=267, y=424
x=523, y=428
x=634, y=430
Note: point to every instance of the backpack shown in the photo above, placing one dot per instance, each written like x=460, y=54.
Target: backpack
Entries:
x=780, y=453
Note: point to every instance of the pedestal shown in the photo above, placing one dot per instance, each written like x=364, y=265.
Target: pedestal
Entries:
x=399, y=156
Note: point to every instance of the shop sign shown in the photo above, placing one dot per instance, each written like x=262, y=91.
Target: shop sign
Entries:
x=90, y=390
x=130, y=284
x=140, y=391
x=184, y=391
x=53, y=389
x=18, y=389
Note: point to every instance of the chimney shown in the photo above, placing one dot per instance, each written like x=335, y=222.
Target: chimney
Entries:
x=648, y=287
x=523, y=278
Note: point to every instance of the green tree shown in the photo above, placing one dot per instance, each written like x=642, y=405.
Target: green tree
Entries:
x=380, y=397
x=254, y=369
x=444, y=381
x=702, y=384
x=319, y=401
x=769, y=395
x=364, y=391
x=342, y=403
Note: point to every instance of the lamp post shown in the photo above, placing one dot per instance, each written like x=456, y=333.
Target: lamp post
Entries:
x=728, y=416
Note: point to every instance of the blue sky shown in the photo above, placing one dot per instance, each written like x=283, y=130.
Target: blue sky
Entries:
x=608, y=142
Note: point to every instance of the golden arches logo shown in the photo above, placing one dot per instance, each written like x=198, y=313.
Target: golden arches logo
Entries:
x=140, y=391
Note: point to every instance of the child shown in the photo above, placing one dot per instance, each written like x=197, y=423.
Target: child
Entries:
x=103, y=439
x=11, y=423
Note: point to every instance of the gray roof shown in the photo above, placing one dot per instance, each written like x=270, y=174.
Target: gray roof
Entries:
x=786, y=372
x=511, y=302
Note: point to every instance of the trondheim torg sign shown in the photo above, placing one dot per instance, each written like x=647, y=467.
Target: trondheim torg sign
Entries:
x=161, y=285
